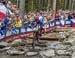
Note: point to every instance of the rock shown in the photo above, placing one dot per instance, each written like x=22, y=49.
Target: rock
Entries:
x=70, y=37
x=42, y=42
x=62, y=35
x=37, y=48
x=58, y=46
x=72, y=48
x=63, y=52
x=22, y=48
x=16, y=42
x=3, y=44
x=4, y=49
x=41, y=45
x=15, y=52
x=49, y=53
x=61, y=46
x=73, y=55
x=42, y=56
x=61, y=57
x=31, y=53
x=29, y=41
x=70, y=41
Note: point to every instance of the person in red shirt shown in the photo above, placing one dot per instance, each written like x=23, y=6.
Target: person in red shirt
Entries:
x=56, y=21
x=36, y=18
x=56, y=15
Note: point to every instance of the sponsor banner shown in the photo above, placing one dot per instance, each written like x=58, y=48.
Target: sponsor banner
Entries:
x=62, y=23
x=67, y=23
x=11, y=38
x=57, y=24
x=73, y=22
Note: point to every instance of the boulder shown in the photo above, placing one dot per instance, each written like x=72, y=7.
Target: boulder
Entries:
x=5, y=49
x=62, y=57
x=3, y=44
x=16, y=42
x=49, y=53
x=31, y=53
x=63, y=52
x=72, y=48
x=58, y=46
x=73, y=55
x=15, y=52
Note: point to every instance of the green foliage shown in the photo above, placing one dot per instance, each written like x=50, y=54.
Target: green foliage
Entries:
x=13, y=1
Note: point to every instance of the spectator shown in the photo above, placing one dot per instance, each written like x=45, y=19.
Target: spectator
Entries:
x=26, y=23
x=18, y=23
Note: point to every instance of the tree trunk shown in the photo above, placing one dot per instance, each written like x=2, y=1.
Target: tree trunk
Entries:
x=17, y=3
x=48, y=5
x=22, y=8
x=32, y=5
x=54, y=5
x=65, y=4
x=39, y=4
x=73, y=5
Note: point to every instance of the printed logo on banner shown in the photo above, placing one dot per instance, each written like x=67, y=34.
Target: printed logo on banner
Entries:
x=52, y=24
x=73, y=20
x=68, y=22
x=57, y=22
x=62, y=22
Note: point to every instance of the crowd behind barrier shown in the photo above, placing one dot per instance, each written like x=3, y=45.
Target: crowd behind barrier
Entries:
x=12, y=24
x=20, y=30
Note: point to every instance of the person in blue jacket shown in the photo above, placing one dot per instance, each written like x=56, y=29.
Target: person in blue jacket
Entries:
x=73, y=20
x=4, y=26
x=69, y=21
